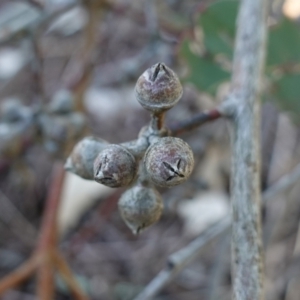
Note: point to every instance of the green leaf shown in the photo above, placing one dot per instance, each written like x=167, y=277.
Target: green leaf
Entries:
x=284, y=44
x=205, y=74
x=287, y=91
x=218, y=24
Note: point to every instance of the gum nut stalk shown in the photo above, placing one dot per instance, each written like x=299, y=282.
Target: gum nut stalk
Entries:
x=169, y=161
x=158, y=88
x=81, y=160
x=115, y=166
x=140, y=207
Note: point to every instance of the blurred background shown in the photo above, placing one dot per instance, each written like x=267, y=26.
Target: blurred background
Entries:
x=68, y=69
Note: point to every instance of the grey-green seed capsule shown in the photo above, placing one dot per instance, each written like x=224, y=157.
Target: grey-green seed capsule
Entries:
x=169, y=161
x=140, y=207
x=158, y=88
x=115, y=166
x=81, y=160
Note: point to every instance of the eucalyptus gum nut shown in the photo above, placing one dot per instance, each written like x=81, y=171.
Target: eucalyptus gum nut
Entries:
x=10, y=140
x=62, y=102
x=62, y=129
x=12, y=110
x=158, y=88
x=115, y=166
x=140, y=207
x=169, y=161
x=81, y=160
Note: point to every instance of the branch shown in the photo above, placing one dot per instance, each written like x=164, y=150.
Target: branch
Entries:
x=19, y=275
x=80, y=68
x=45, y=286
x=248, y=64
x=17, y=26
x=196, y=121
x=48, y=234
x=283, y=184
x=180, y=259
x=46, y=257
x=68, y=276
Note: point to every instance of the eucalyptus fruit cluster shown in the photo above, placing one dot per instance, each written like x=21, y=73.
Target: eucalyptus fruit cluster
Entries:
x=56, y=125
x=153, y=159
x=59, y=124
x=16, y=129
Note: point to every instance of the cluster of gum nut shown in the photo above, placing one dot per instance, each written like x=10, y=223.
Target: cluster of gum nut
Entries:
x=153, y=159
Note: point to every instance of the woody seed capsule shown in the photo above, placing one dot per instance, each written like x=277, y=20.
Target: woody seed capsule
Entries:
x=169, y=161
x=140, y=207
x=81, y=160
x=115, y=166
x=158, y=88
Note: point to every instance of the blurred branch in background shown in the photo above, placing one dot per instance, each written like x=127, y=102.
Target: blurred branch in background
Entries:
x=46, y=258
x=78, y=72
x=16, y=22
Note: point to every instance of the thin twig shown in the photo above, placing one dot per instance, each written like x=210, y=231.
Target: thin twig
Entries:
x=69, y=278
x=282, y=184
x=195, y=121
x=37, y=67
x=46, y=258
x=180, y=259
x=11, y=31
x=48, y=235
x=19, y=275
x=79, y=69
x=45, y=282
x=188, y=253
x=151, y=16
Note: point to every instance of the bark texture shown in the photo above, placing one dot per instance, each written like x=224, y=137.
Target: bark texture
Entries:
x=248, y=65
